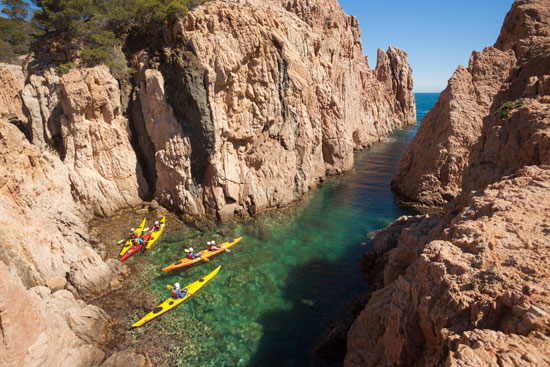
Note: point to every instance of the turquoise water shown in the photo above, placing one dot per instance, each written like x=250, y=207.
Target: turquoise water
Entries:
x=290, y=277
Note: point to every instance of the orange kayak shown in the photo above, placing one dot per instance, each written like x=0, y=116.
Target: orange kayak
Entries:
x=204, y=254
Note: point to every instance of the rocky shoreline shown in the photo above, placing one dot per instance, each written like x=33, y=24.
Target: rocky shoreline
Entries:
x=470, y=287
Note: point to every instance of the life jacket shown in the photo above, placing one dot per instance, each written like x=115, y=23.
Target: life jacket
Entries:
x=156, y=227
x=190, y=256
x=133, y=235
x=174, y=293
x=211, y=248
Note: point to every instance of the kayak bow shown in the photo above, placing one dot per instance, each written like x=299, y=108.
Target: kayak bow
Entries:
x=205, y=254
x=170, y=303
x=155, y=235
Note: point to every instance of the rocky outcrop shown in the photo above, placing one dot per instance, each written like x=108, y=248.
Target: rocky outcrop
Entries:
x=466, y=296
x=430, y=170
x=259, y=105
x=469, y=288
x=48, y=236
x=476, y=118
x=79, y=116
x=95, y=142
x=236, y=108
x=39, y=328
x=12, y=81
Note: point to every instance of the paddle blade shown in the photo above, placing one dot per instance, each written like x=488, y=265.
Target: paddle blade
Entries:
x=169, y=286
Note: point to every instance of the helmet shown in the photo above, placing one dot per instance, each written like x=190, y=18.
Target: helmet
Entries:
x=132, y=229
x=191, y=249
x=177, y=285
x=213, y=242
x=156, y=222
x=208, y=243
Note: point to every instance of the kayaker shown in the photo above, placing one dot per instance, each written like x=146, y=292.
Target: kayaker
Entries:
x=138, y=241
x=212, y=246
x=156, y=227
x=190, y=254
x=177, y=293
x=133, y=233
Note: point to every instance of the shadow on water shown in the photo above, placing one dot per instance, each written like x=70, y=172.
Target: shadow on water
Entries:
x=320, y=289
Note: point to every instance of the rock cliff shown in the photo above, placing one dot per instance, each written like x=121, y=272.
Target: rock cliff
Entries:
x=236, y=108
x=469, y=288
x=474, y=130
x=459, y=291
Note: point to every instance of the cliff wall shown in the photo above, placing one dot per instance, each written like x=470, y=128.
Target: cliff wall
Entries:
x=469, y=288
x=236, y=108
x=484, y=118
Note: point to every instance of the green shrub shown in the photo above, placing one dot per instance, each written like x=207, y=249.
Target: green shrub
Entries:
x=99, y=26
x=504, y=111
x=62, y=69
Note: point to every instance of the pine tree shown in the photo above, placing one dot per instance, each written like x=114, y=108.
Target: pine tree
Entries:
x=14, y=30
x=17, y=10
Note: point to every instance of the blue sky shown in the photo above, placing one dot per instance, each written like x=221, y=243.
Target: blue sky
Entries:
x=438, y=35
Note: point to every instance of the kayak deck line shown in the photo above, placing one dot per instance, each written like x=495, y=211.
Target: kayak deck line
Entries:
x=171, y=303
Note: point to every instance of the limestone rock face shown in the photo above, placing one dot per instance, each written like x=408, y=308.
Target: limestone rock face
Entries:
x=79, y=116
x=47, y=234
x=238, y=107
x=95, y=142
x=12, y=81
x=44, y=329
x=431, y=168
x=172, y=148
x=462, y=294
x=41, y=100
x=273, y=103
x=490, y=120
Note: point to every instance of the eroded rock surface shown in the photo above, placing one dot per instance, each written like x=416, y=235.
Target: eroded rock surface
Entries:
x=47, y=234
x=470, y=287
x=95, y=142
x=466, y=296
x=474, y=130
x=277, y=98
x=39, y=328
x=12, y=81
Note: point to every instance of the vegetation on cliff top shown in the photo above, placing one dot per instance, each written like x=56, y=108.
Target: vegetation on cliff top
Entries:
x=95, y=28
x=14, y=30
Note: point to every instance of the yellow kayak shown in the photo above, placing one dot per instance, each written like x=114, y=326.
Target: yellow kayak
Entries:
x=155, y=235
x=170, y=303
x=128, y=243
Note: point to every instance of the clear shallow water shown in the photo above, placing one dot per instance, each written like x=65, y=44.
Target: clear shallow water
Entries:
x=290, y=277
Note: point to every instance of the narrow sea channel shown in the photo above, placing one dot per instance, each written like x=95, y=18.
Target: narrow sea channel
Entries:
x=291, y=276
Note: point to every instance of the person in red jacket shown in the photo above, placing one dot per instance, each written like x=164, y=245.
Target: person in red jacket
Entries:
x=177, y=293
